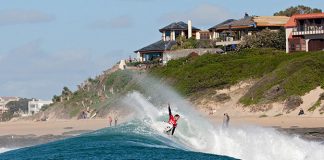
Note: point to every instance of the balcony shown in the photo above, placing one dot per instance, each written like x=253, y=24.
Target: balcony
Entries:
x=309, y=30
x=224, y=41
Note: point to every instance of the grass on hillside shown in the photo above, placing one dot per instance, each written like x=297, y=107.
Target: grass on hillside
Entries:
x=116, y=84
x=316, y=105
x=298, y=73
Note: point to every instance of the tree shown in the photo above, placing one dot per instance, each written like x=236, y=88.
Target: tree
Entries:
x=15, y=107
x=66, y=91
x=56, y=98
x=191, y=43
x=264, y=39
x=301, y=9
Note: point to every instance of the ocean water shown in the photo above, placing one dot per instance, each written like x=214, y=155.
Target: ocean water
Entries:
x=131, y=140
x=141, y=137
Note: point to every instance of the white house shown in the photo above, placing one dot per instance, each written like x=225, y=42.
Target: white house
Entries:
x=35, y=106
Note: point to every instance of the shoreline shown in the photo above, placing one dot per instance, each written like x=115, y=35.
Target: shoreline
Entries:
x=51, y=127
x=275, y=122
x=18, y=134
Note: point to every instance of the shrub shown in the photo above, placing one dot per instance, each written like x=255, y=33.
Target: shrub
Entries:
x=313, y=108
x=278, y=115
x=222, y=97
x=184, y=43
x=263, y=116
x=321, y=96
x=264, y=39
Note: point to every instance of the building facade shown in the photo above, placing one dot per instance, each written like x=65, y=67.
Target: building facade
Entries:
x=305, y=32
x=231, y=32
x=169, y=35
x=35, y=106
x=4, y=101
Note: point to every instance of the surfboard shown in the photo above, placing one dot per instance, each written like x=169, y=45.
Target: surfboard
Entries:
x=163, y=127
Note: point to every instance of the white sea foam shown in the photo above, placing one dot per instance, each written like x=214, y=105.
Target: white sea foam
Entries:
x=2, y=150
x=199, y=134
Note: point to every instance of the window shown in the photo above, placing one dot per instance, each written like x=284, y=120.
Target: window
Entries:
x=318, y=21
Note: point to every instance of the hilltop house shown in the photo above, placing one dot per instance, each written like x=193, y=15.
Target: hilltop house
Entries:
x=169, y=35
x=35, y=106
x=231, y=32
x=4, y=101
x=305, y=32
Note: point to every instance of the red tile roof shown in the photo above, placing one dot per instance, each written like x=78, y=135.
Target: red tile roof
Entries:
x=292, y=21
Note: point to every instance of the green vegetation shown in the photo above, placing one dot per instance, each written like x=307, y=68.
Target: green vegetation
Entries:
x=98, y=94
x=265, y=39
x=278, y=115
x=263, y=116
x=296, y=73
x=300, y=9
x=184, y=43
x=14, y=109
x=316, y=105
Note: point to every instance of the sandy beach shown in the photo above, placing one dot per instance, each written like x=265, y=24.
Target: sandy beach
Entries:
x=54, y=127
x=28, y=133
x=277, y=122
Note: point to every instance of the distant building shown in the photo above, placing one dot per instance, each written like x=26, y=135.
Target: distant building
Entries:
x=169, y=34
x=4, y=101
x=231, y=32
x=305, y=32
x=176, y=29
x=154, y=51
x=35, y=106
x=204, y=35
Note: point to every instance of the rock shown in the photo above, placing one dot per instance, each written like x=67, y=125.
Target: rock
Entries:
x=292, y=103
x=274, y=92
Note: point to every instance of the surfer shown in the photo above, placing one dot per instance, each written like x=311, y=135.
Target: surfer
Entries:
x=173, y=121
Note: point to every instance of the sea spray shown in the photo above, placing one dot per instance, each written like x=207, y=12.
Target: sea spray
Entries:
x=199, y=134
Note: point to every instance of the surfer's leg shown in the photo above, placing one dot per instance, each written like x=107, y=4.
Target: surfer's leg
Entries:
x=173, y=128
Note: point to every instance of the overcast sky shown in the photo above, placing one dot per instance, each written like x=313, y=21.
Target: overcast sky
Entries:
x=46, y=45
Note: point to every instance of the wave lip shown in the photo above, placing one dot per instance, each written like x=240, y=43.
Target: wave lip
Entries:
x=3, y=150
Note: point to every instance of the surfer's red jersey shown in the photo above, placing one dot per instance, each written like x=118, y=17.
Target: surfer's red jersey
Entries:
x=172, y=120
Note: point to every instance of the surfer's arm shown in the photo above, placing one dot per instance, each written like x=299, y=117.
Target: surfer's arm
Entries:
x=170, y=113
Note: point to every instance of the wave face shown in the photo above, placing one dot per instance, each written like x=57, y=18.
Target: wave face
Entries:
x=133, y=140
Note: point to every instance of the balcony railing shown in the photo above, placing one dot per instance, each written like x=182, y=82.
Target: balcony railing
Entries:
x=308, y=30
x=227, y=39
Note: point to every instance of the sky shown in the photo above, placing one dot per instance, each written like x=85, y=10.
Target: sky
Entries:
x=46, y=45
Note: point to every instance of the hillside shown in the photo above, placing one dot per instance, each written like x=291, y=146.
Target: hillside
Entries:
x=276, y=76
x=291, y=74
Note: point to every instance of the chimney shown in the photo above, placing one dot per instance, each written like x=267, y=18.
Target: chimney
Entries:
x=189, y=29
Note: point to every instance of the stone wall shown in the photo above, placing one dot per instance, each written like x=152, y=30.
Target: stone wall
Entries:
x=176, y=54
